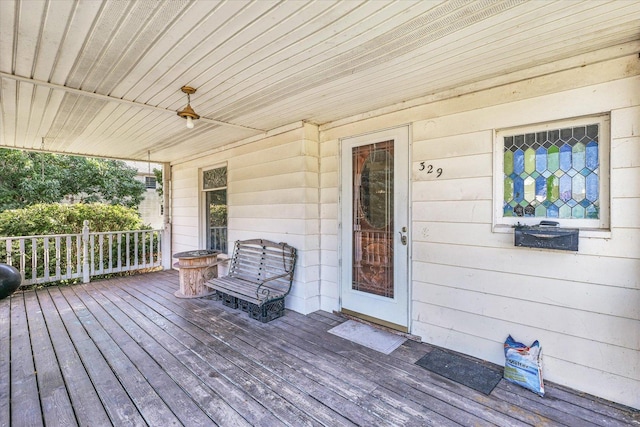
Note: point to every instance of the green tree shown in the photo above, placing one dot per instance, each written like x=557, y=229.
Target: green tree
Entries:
x=28, y=178
x=20, y=181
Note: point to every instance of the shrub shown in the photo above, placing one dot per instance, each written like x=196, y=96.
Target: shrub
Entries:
x=57, y=218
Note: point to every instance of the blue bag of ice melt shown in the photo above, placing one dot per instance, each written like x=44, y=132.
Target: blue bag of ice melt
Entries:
x=523, y=365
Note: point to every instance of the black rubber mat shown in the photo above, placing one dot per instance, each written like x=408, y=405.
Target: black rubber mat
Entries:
x=472, y=374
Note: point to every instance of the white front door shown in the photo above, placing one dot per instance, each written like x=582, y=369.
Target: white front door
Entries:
x=374, y=217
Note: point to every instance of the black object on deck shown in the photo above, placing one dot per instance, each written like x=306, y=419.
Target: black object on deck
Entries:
x=10, y=280
x=462, y=370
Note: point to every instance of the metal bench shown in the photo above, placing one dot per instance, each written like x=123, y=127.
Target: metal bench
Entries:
x=260, y=276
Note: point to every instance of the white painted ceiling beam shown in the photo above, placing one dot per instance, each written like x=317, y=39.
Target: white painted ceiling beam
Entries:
x=117, y=100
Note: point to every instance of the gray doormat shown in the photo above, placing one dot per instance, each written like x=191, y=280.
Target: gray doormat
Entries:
x=467, y=372
x=368, y=336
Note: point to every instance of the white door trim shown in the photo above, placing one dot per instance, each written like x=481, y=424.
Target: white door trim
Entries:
x=402, y=154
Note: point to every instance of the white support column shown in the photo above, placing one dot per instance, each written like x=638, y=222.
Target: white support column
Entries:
x=166, y=202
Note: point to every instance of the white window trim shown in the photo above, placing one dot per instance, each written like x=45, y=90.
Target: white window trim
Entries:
x=588, y=227
x=202, y=201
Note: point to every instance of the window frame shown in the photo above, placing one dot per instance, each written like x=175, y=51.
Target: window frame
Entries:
x=204, y=226
x=502, y=223
x=147, y=180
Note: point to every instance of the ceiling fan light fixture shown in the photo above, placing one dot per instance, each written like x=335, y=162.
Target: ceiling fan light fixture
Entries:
x=188, y=112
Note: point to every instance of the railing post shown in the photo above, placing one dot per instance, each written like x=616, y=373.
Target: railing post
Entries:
x=85, y=252
x=165, y=241
x=9, y=250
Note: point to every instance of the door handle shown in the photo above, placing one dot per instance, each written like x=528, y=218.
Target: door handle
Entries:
x=403, y=236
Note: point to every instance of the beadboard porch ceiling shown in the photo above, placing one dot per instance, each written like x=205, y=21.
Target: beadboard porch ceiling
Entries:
x=103, y=78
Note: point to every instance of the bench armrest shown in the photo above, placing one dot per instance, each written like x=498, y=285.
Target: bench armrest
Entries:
x=266, y=291
x=207, y=273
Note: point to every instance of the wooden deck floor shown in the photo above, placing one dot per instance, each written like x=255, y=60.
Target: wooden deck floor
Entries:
x=127, y=352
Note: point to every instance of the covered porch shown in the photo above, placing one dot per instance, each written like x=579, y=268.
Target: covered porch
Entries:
x=285, y=92
x=128, y=352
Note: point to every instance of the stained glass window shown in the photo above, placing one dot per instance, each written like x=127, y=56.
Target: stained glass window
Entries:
x=214, y=178
x=553, y=173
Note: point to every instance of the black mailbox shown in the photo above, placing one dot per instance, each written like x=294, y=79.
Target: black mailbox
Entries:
x=546, y=235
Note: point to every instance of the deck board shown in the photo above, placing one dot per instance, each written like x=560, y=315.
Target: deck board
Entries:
x=146, y=400
x=87, y=406
x=126, y=351
x=239, y=365
x=25, y=401
x=162, y=400
x=5, y=362
x=389, y=377
x=54, y=397
x=193, y=352
x=115, y=400
x=261, y=339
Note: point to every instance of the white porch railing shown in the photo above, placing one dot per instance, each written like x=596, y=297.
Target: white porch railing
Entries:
x=52, y=258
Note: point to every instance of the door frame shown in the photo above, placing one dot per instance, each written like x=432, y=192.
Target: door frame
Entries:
x=346, y=251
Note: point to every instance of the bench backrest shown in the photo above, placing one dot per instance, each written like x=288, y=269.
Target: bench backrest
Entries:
x=258, y=260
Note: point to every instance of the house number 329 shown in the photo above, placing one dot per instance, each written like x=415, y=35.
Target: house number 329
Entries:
x=430, y=169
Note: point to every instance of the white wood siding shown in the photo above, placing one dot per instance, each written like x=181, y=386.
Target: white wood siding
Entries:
x=272, y=193
x=470, y=286
x=329, y=214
